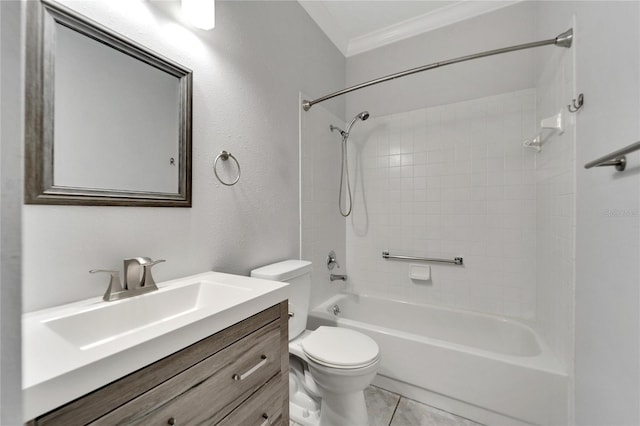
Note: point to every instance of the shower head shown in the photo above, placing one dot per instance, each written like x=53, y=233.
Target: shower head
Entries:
x=362, y=116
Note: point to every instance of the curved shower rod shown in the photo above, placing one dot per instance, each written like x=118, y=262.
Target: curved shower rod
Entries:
x=563, y=40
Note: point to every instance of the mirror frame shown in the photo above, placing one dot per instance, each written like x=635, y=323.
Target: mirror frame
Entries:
x=42, y=16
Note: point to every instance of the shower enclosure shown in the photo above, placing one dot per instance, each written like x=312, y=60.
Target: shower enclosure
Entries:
x=453, y=179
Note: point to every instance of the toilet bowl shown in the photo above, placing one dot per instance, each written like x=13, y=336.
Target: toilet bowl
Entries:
x=329, y=367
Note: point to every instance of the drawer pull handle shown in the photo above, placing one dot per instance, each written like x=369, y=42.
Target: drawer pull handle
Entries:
x=266, y=422
x=171, y=421
x=238, y=377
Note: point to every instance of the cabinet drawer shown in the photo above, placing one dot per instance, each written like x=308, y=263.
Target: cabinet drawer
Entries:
x=263, y=408
x=102, y=401
x=209, y=390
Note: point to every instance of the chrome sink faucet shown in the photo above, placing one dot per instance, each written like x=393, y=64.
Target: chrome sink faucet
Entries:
x=137, y=279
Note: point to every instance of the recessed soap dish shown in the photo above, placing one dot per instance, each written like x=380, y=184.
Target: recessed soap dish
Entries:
x=420, y=272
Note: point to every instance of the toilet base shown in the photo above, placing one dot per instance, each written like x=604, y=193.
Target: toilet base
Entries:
x=303, y=416
x=344, y=409
x=307, y=408
x=326, y=396
x=304, y=406
x=341, y=410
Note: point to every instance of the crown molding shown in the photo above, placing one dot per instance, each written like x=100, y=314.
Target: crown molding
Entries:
x=412, y=27
x=319, y=13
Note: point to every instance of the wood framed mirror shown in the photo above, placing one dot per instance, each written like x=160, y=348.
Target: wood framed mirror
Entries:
x=108, y=121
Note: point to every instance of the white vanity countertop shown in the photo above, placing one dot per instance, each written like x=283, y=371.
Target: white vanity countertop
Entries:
x=59, y=368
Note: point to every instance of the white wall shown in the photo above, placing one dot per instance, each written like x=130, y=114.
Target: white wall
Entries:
x=248, y=73
x=11, y=134
x=322, y=227
x=455, y=83
x=607, y=293
x=444, y=182
x=607, y=252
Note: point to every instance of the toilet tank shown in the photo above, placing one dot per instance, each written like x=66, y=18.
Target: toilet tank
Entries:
x=297, y=273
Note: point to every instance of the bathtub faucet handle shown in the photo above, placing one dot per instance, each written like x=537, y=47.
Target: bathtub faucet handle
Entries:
x=331, y=260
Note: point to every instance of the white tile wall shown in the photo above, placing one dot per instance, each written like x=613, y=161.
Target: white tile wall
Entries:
x=322, y=227
x=447, y=181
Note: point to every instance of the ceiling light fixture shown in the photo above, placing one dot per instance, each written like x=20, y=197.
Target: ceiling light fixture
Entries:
x=200, y=13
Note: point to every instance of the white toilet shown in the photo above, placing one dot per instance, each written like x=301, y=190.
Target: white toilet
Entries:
x=331, y=366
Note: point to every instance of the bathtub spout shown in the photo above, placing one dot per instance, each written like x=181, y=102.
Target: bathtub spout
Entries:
x=334, y=277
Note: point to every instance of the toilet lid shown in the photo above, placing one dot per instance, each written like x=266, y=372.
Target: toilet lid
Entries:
x=340, y=347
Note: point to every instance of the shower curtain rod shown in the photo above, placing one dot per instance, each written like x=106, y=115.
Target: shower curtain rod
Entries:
x=562, y=40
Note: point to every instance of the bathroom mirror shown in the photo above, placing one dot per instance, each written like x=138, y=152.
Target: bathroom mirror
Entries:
x=108, y=122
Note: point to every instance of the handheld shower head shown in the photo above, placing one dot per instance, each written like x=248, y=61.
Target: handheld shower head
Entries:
x=362, y=116
x=344, y=165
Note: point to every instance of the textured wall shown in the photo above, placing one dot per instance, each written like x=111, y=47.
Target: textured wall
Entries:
x=248, y=73
x=607, y=291
x=11, y=134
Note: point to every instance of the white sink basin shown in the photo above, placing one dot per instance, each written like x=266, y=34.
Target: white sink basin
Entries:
x=104, y=322
x=71, y=350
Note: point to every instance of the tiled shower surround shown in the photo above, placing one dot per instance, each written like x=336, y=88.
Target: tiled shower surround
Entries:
x=448, y=181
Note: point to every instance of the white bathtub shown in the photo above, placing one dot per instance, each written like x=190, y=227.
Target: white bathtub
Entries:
x=486, y=368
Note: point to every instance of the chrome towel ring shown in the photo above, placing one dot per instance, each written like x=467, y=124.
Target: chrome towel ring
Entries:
x=224, y=155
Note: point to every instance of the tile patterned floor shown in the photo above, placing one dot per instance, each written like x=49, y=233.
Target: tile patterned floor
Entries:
x=390, y=409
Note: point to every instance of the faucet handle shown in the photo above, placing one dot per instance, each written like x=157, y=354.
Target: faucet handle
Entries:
x=145, y=261
x=114, y=282
x=147, y=278
x=331, y=260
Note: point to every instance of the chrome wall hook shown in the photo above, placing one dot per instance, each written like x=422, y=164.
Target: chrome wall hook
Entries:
x=578, y=105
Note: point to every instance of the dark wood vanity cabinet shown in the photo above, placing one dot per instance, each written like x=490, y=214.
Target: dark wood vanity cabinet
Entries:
x=238, y=376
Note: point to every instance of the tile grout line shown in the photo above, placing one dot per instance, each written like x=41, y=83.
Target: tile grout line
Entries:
x=394, y=410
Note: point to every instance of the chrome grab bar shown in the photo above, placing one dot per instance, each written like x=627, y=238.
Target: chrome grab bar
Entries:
x=455, y=261
x=616, y=158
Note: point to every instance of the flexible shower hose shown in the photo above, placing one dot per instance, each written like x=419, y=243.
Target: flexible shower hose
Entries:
x=344, y=170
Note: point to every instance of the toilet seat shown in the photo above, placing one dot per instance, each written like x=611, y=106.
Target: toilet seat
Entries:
x=340, y=348
x=339, y=366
